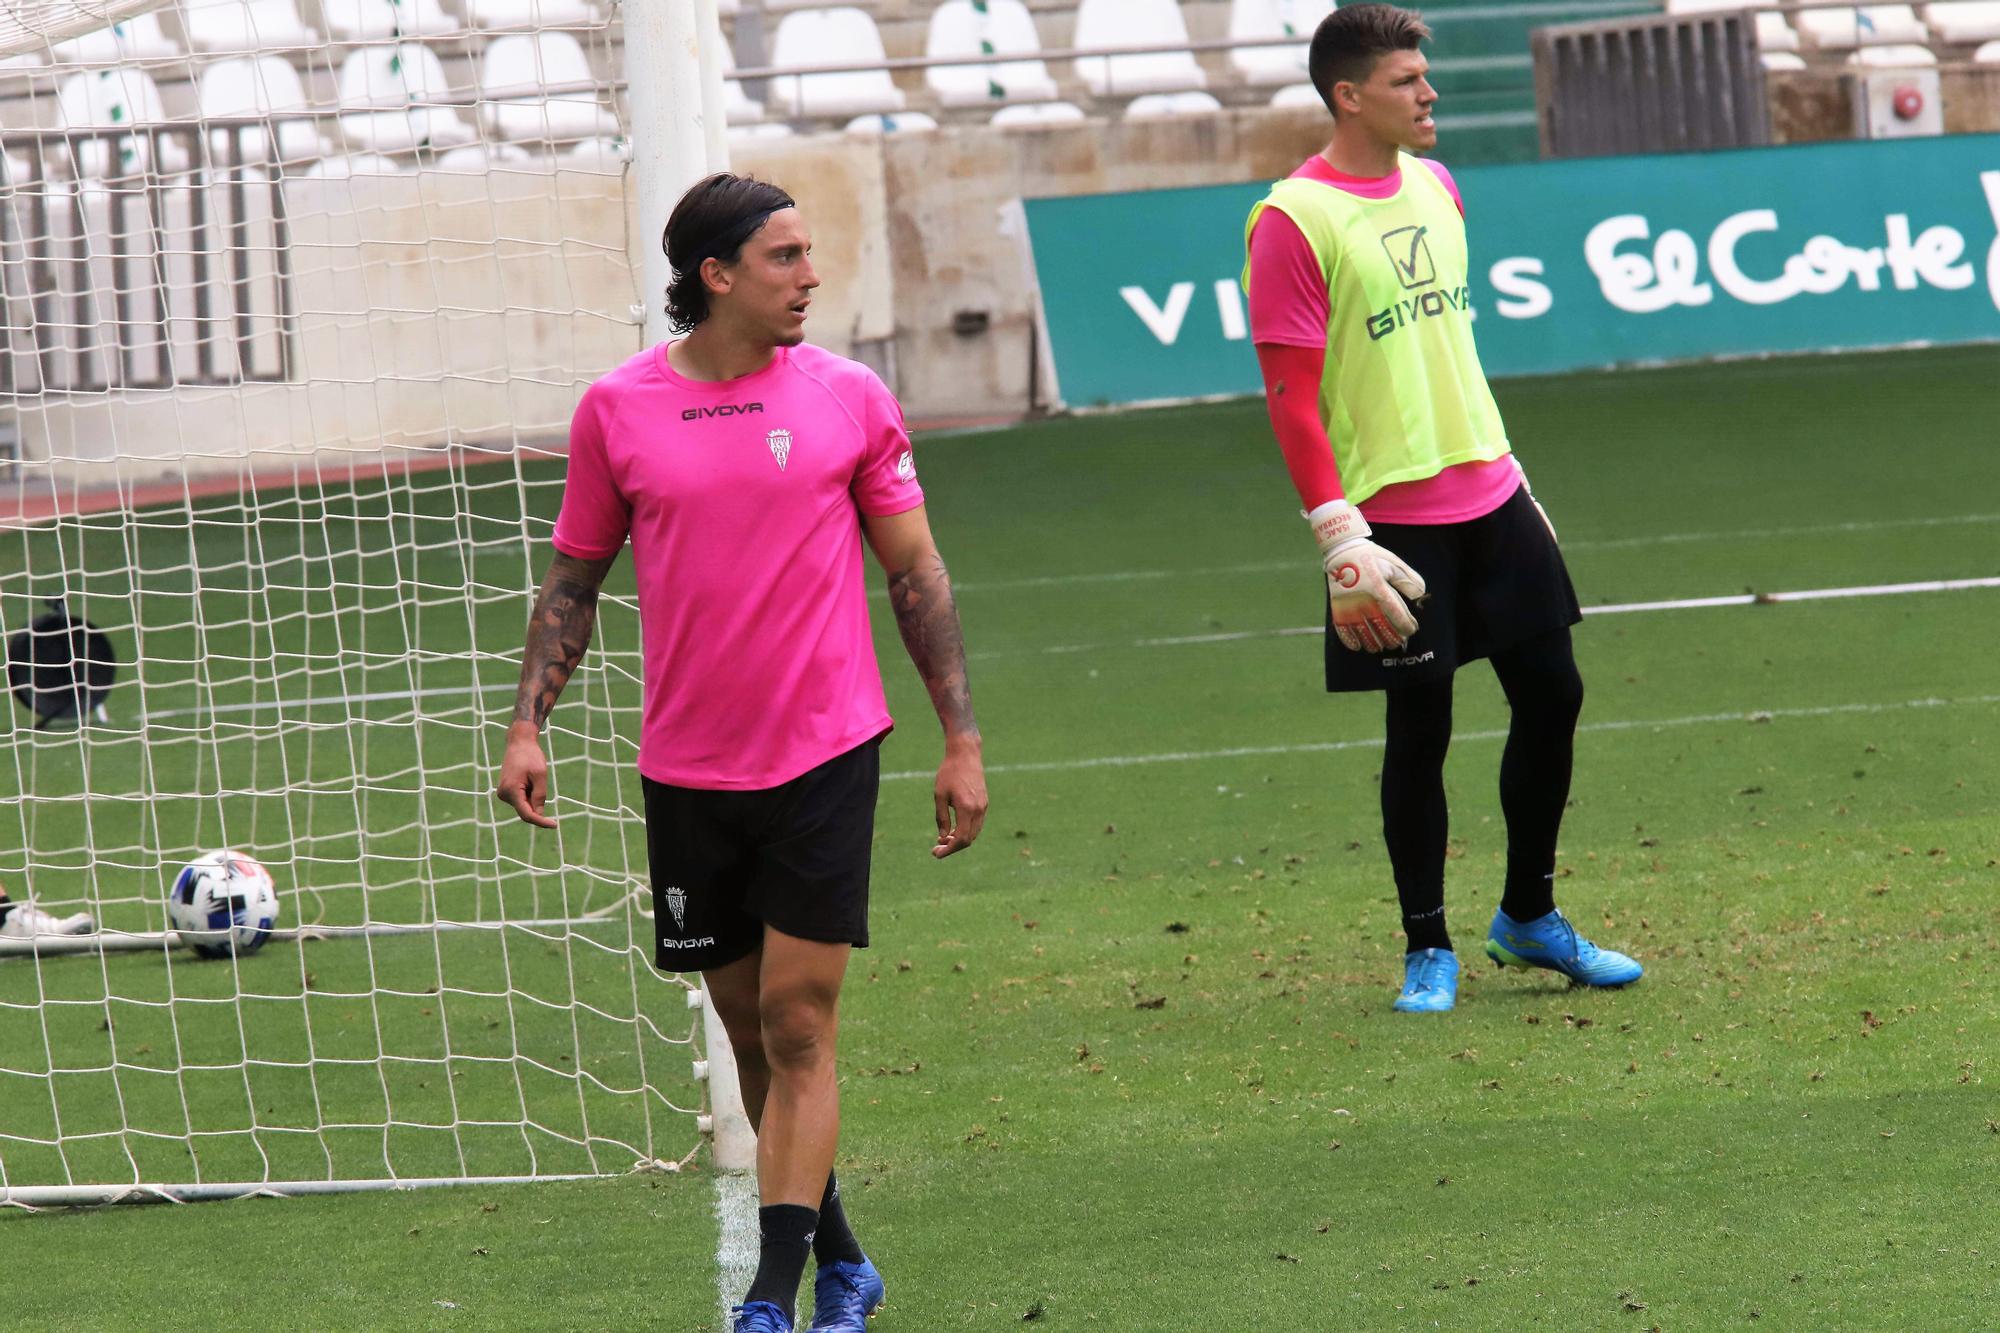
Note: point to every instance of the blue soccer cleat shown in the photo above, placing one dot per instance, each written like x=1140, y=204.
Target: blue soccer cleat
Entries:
x=1430, y=982
x=759, y=1317
x=1553, y=943
x=844, y=1295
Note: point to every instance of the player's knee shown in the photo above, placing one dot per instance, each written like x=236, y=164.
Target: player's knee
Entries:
x=797, y=1030
x=1562, y=692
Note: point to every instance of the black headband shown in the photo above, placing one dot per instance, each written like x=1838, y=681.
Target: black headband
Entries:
x=728, y=242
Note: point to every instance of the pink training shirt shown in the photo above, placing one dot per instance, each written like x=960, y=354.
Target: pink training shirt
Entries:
x=743, y=500
x=1291, y=306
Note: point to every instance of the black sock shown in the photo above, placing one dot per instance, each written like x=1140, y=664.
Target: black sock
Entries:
x=1545, y=694
x=1415, y=821
x=834, y=1242
x=787, y=1232
x=1426, y=931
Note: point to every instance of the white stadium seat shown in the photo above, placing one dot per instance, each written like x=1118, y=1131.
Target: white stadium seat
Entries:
x=877, y=124
x=1782, y=60
x=245, y=26
x=1773, y=33
x=840, y=36
x=1029, y=115
x=264, y=86
x=751, y=133
x=110, y=97
x=476, y=159
x=384, y=20
x=1169, y=106
x=997, y=27
x=1274, y=18
x=498, y=15
x=135, y=39
x=546, y=59
x=1988, y=54
x=341, y=167
x=397, y=81
x=1964, y=21
x=1871, y=25
x=1893, y=57
x=1298, y=94
x=1102, y=24
x=599, y=155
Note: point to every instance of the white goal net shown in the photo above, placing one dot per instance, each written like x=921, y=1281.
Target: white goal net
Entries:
x=297, y=300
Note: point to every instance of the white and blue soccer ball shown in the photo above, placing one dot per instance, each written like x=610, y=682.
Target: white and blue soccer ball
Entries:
x=223, y=903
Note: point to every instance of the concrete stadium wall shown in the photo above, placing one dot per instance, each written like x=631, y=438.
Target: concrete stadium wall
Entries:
x=441, y=310
x=946, y=192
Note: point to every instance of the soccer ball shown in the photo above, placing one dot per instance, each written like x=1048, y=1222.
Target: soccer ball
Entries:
x=223, y=903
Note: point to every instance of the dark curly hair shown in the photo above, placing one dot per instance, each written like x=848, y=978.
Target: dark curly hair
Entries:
x=712, y=221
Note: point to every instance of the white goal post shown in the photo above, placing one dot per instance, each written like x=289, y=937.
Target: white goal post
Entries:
x=293, y=311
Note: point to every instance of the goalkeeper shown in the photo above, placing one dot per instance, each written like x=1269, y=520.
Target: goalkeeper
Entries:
x=1435, y=552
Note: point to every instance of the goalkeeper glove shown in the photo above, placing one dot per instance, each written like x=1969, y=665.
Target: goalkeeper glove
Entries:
x=1365, y=585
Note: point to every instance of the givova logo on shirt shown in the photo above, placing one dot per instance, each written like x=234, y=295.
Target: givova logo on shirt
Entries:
x=1410, y=255
x=1426, y=305
x=781, y=446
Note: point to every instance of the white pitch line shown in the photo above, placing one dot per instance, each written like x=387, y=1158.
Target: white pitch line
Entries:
x=736, y=1242
x=1614, y=609
x=1602, y=544
x=1375, y=742
x=1173, y=641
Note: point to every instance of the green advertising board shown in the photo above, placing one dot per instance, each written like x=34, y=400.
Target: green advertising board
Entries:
x=1599, y=262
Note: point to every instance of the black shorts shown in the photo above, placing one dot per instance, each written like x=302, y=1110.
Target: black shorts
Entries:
x=1493, y=582
x=795, y=857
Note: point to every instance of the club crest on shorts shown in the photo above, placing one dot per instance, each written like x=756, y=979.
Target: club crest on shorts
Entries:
x=677, y=904
x=781, y=446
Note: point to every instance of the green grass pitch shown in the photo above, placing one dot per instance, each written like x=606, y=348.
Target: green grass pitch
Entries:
x=1130, y=1064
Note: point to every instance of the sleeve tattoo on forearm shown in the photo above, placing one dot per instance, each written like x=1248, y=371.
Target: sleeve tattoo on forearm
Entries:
x=927, y=616
x=558, y=632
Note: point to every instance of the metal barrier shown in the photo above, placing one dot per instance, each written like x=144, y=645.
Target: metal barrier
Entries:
x=1658, y=84
x=143, y=257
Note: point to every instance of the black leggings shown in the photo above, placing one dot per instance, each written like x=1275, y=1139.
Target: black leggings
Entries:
x=1545, y=694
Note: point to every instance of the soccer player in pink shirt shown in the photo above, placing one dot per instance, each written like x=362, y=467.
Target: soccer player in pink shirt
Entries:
x=1360, y=311
x=746, y=467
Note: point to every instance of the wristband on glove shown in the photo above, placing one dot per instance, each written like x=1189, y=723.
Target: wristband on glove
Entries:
x=1366, y=585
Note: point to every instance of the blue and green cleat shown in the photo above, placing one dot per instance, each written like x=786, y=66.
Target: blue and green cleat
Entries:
x=844, y=1295
x=1430, y=982
x=1551, y=942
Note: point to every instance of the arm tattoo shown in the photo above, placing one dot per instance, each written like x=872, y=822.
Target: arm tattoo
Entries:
x=927, y=615
x=558, y=632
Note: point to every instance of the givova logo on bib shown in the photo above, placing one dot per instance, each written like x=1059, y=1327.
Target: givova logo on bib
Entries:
x=1410, y=255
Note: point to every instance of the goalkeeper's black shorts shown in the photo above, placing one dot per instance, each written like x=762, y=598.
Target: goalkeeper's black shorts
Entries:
x=1493, y=582
x=795, y=857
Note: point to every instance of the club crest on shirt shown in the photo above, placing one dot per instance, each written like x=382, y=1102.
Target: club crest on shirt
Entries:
x=781, y=446
x=906, y=467
x=677, y=904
